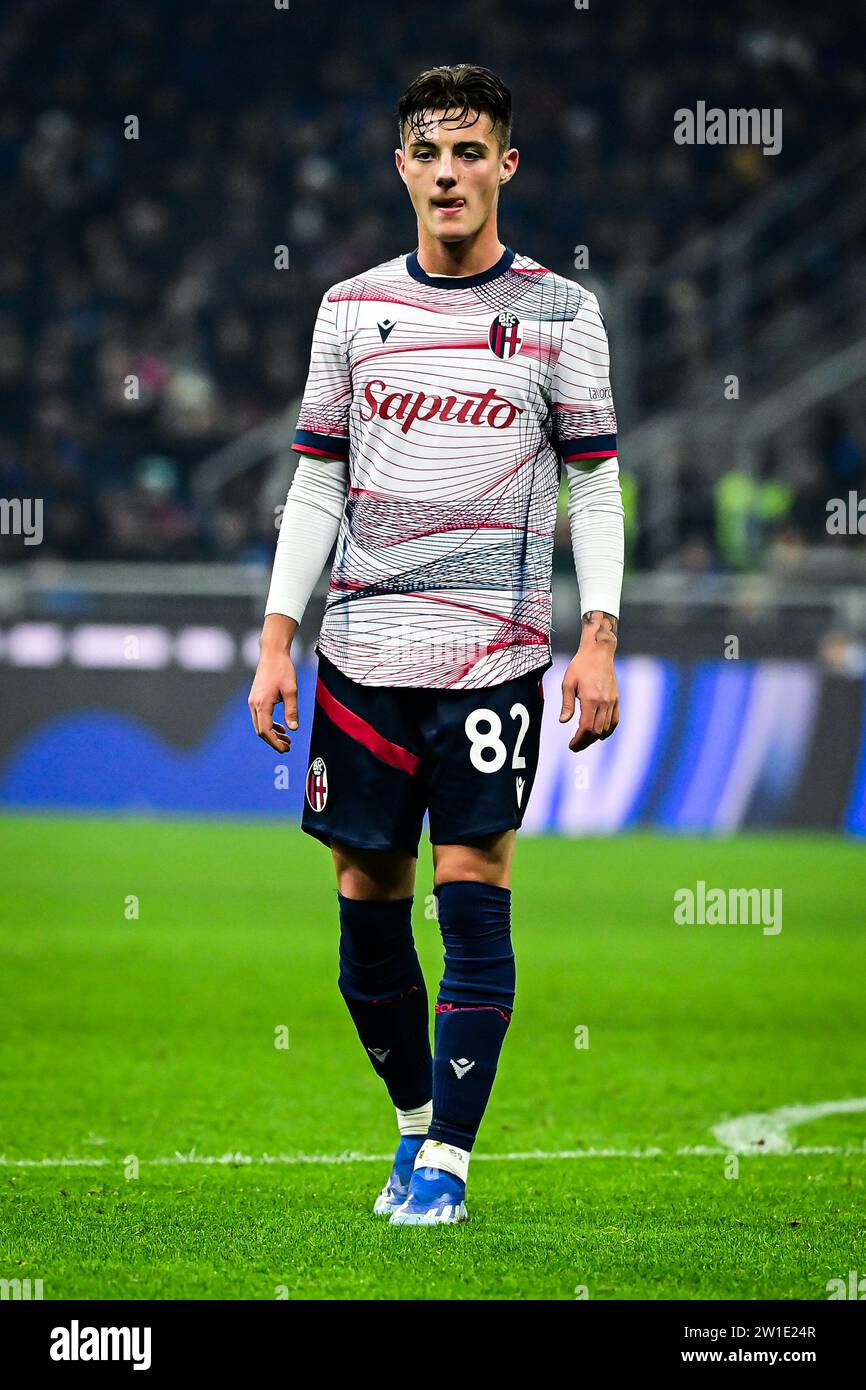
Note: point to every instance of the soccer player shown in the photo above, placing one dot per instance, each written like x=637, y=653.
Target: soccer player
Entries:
x=447, y=391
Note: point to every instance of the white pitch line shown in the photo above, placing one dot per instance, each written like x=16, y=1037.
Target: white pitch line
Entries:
x=768, y=1133
x=756, y=1135
x=241, y=1160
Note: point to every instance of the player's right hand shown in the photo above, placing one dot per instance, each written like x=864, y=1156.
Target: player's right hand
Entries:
x=276, y=682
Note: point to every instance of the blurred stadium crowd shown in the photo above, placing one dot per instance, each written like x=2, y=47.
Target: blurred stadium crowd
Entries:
x=153, y=257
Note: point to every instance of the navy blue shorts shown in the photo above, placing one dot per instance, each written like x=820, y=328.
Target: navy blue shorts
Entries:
x=380, y=756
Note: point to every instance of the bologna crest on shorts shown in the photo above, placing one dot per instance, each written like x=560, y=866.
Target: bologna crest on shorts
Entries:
x=506, y=336
x=317, y=784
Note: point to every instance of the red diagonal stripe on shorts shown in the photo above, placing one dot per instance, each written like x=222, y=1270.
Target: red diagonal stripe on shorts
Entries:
x=356, y=727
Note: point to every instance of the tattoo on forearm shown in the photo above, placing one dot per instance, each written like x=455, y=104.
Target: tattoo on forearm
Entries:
x=605, y=624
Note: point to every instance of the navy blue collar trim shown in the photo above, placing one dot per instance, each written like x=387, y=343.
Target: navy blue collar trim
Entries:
x=463, y=282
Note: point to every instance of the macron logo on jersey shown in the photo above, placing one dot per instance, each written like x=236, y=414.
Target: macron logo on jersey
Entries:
x=465, y=408
x=386, y=327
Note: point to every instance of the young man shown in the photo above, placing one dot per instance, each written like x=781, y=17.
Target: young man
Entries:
x=447, y=390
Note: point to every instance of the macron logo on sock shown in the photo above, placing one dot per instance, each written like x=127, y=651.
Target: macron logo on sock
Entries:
x=462, y=1066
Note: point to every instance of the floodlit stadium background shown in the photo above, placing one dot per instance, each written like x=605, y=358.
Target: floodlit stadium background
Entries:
x=731, y=281
x=163, y=921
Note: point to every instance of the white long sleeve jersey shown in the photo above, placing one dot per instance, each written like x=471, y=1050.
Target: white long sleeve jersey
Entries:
x=455, y=403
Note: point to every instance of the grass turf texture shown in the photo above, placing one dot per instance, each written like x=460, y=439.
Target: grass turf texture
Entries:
x=150, y=1036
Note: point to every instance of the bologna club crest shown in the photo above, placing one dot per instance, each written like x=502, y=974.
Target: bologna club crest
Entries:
x=317, y=784
x=505, y=336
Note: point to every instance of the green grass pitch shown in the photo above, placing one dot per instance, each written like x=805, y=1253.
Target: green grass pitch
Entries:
x=146, y=1038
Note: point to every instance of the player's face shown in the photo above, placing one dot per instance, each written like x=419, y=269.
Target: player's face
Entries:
x=454, y=173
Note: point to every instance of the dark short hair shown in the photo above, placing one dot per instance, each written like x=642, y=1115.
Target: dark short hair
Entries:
x=458, y=89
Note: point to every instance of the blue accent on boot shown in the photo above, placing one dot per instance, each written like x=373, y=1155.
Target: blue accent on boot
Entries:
x=435, y=1198
x=396, y=1189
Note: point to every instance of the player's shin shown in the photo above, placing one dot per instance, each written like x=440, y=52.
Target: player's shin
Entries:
x=476, y=998
x=383, y=986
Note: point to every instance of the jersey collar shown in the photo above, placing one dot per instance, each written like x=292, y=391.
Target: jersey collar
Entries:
x=462, y=282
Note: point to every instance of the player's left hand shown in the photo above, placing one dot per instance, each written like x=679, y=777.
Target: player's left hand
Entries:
x=591, y=680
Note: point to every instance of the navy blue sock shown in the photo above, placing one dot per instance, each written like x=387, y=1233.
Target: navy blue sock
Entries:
x=473, y=1011
x=382, y=984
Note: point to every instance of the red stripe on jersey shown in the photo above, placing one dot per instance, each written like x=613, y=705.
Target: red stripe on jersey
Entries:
x=322, y=453
x=513, y=623
x=471, y=345
x=359, y=729
x=599, y=454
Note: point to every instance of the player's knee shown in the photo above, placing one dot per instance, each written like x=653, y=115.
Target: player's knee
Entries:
x=485, y=860
x=378, y=959
x=475, y=922
x=373, y=874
